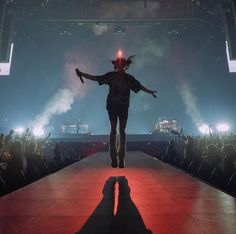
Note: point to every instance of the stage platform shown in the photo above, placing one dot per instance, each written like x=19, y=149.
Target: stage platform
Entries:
x=90, y=197
x=105, y=138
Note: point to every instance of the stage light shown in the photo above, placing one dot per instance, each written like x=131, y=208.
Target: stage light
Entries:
x=223, y=127
x=19, y=130
x=38, y=131
x=204, y=129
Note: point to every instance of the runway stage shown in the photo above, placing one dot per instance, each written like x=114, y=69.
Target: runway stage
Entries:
x=90, y=197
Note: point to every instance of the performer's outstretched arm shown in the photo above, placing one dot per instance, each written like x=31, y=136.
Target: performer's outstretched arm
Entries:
x=85, y=75
x=146, y=90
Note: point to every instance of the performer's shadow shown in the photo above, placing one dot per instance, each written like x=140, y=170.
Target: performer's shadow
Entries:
x=126, y=220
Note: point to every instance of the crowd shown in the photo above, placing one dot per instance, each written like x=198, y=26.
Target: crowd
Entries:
x=25, y=158
x=211, y=158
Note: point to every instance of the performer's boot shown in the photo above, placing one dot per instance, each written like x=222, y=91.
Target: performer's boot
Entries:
x=113, y=150
x=122, y=150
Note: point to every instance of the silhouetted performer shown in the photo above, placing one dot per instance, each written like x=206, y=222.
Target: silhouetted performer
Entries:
x=120, y=83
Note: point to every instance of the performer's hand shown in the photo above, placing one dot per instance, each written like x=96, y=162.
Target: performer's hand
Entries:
x=154, y=94
x=78, y=72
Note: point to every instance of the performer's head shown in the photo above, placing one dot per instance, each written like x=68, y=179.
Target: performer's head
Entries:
x=122, y=64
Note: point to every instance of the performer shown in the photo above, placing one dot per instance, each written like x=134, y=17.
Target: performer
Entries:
x=120, y=83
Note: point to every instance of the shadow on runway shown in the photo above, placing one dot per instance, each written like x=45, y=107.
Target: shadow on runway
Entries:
x=125, y=219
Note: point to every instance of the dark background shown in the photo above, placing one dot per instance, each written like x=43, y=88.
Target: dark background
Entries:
x=184, y=60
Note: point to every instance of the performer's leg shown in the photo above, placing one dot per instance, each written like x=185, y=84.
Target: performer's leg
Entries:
x=113, y=149
x=122, y=143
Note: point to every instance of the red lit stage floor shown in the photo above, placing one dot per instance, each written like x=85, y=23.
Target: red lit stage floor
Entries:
x=90, y=197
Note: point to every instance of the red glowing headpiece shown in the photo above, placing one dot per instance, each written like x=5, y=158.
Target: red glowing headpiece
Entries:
x=121, y=63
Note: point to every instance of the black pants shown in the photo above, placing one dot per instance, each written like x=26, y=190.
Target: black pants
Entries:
x=117, y=112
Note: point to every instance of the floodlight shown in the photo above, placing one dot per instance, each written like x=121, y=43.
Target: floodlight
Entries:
x=223, y=127
x=38, y=131
x=204, y=129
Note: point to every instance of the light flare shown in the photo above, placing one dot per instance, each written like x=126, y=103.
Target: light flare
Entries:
x=204, y=129
x=223, y=127
x=119, y=54
x=38, y=131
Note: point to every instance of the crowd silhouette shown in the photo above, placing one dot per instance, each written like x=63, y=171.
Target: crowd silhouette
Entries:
x=25, y=158
x=211, y=158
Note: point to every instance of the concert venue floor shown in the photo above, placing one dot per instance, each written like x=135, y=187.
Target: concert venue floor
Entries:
x=90, y=197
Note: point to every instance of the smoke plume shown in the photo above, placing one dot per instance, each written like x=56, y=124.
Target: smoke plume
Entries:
x=60, y=103
x=150, y=52
x=63, y=99
x=190, y=102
